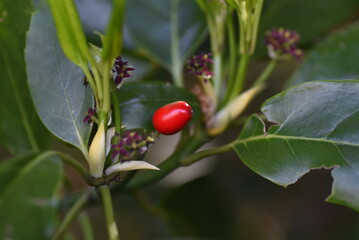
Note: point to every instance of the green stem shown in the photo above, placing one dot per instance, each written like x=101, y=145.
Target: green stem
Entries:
x=141, y=197
x=217, y=74
x=86, y=226
x=265, y=74
x=186, y=161
x=232, y=47
x=166, y=167
x=106, y=107
x=176, y=65
x=108, y=208
x=116, y=111
x=235, y=87
x=76, y=165
x=74, y=210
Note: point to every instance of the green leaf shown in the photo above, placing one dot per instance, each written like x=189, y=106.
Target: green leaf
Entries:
x=334, y=58
x=317, y=128
x=69, y=31
x=168, y=30
x=310, y=18
x=28, y=196
x=20, y=128
x=138, y=102
x=55, y=84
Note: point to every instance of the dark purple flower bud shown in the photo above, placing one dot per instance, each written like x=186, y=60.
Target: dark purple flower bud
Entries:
x=90, y=112
x=199, y=65
x=120, y=71
x=282, y=44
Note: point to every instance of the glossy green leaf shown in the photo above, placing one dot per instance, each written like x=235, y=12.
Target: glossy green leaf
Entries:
x=317, y=127
x=56, y=84
x=310, y=18
x=20, y=128
x=168, y=30
x=138, y=102
x=28, y=196
x=334, y=58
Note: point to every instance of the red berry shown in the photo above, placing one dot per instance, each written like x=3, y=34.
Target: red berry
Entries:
x=172, y=118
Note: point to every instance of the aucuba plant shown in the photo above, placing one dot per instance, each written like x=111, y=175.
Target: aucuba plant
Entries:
x=97, y=96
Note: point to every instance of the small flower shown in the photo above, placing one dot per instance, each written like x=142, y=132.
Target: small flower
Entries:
x=198, y=65
x=120, y=71
x=282, y=44
x=131, y=145
x=90, y=112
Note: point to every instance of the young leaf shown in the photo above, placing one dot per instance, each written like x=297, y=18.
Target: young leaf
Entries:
x=138, y=102
x=168, y=30
x=334, y=58
x=317, y=128
x=69, y=31
x=28, y=196
x=20, y=127
x=55, y=84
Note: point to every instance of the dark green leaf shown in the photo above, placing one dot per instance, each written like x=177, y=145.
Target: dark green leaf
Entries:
x=55, y=83
x=161, y=18
x=334, y=58
x=311, y=18
x=138, y=102
x=20, y=128
x=28, y=196
x=317, y=128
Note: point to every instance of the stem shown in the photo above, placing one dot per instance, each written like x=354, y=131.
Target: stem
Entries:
x=176, y=66
x=205, y=153
x=217, y=73
x=108, y=208
x=166, y=167
x=106, y=106
x=86, y=226
x=116, y=111
x=141, y=197
x=75, y=165
x=235, y=87
x=75, y=209
x=232, y=47
x=265, y=74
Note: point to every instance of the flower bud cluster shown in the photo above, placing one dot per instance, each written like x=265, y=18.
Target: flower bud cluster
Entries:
x=131, y=145
x=282, y=44
x=198, y=65
x=120, y=71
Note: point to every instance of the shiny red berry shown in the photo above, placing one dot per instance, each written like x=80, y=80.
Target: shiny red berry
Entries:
x=172, y=118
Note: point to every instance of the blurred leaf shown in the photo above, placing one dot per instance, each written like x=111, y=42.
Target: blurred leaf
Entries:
x=199, y=209
x=138, y=102
x=334, y=58
x=20, y=128
x=317, y=128
x=55, y=83
x=112, y=45
x=28, y=196
x=159, y=21
x=310, y=18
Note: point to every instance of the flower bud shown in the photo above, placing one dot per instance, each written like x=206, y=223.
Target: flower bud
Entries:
x=97, y=152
